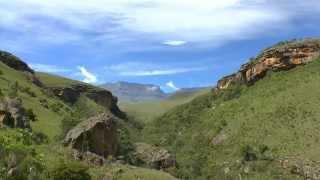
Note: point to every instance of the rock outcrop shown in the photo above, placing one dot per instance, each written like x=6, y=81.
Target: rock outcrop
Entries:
x=14, y=62
x=281, y=57
x=96, y=135
x=98, y=95
x=12, y=114
x=66, y=94
x=153, y=157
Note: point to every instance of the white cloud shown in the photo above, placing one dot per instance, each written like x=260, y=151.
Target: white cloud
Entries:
x=175, y=43
x=171, y=85
x=152, y=88
x=146, y=69
x=48, y=68
x=88, y=77
x=190, y=20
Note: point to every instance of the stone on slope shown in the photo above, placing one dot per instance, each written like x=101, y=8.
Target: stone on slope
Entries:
x=153, y=157
x=12, y=114
x=97, y=135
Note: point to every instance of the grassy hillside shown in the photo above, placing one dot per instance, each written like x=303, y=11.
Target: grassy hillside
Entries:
x=147, y=111
x=45, y=155
x=244, y=132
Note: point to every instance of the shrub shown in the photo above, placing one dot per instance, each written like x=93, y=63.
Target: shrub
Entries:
x=125, y=145
x=13, y=90
x=249, y=153
x=70, y=171
x=31, y=116
x=1, y=73
x=44, y=103
x=40, y=138
x=67, y=123
x=28, y=91
x=18, y=159
x=56, y=107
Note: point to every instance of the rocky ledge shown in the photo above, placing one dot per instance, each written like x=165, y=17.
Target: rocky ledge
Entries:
x=280, y=57
x=98, y=95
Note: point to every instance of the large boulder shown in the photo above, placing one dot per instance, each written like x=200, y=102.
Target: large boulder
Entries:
x=12, y=114
x=154, y=157
x=278, y=58
x=96, y=135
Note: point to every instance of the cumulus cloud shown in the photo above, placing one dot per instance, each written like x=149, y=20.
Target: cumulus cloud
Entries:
x=171, y=85
x=88, y=77
x=48, y=68
x=146, y=69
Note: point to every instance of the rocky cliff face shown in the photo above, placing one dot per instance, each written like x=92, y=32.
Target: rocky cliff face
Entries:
x=278, y=58
x=100, y=96
x=96, y=135
x=12, y=114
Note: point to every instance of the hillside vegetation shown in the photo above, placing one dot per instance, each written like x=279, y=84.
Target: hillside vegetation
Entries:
x=38, y=153
x=247, y=131
x=146, y=111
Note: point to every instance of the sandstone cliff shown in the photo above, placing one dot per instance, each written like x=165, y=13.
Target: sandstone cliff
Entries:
x=281, y=57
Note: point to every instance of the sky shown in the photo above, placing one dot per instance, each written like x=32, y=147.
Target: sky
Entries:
x=171, y=43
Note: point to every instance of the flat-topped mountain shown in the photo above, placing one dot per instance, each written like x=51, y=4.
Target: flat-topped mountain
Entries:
x=127, y=91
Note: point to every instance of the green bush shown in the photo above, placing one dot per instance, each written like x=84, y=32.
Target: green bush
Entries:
x=13, y=90
x=125, y=145
x=70, y=171
x=28, y=91
x=67, y=123
x=249, y=153
x=18, y=159
x=31, y=116
x=56, y=107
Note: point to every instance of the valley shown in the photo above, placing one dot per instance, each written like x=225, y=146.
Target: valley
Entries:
x=261, y=122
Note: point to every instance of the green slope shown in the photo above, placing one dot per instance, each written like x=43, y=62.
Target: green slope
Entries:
x=46, y=156
x=149, y=110
x=276, y=118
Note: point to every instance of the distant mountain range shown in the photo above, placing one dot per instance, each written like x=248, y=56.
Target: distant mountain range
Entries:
x=134, y=92
x=126, y=91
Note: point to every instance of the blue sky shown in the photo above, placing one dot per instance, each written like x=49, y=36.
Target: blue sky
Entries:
x=171, y=43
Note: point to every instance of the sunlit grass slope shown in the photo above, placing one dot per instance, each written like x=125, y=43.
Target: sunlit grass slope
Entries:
x=276, y=118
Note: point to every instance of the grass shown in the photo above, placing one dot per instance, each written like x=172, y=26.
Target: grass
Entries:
x=56, y=81
x=50, y=119
x=280, y=112
x=147, y=111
